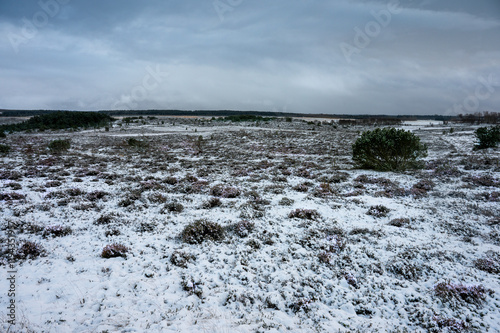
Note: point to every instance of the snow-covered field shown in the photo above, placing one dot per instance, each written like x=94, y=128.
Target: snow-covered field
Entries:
x=307, y=244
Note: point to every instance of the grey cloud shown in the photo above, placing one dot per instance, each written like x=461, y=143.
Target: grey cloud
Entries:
x=261, y=55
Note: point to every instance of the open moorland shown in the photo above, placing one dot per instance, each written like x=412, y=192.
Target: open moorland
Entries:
x=196, y=225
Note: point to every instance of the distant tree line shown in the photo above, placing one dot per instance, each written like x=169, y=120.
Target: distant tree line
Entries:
x=480, y=118
x=225, y=113
x=60, y=120
x=243, y=117
x=371, y=121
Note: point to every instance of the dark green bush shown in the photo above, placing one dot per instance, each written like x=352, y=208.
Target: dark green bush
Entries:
x=388, y=149
x=488, y=137
x=57, y=146
x=4, y=149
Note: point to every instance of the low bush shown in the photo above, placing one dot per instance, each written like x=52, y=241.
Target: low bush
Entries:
x=450, y=324
x=146, y=227
x=405, y=269
x=286, y=201
x=58, y=146
x=202, y=230
x=244, y=228
x=489, y=265
x=173, y=207
x=388, y=149
x=211, y=203
x=400, y=222
x=488, y=137
x=4, y=149
x=114, y=250
x=96, y=195
x=191, y=286
x=474, y=294
x=105, y=219
x=132, y=142
x=302, y=304
x=225, y=191
x=181, y=259
x=30, y=250
x=11, y=196
x=378, y=211
x=307, y=214
x=56, y=231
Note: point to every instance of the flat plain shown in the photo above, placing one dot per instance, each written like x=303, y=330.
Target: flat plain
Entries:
x=195, y=225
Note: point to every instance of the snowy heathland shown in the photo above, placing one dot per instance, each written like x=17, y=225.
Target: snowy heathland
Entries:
x=192, y=225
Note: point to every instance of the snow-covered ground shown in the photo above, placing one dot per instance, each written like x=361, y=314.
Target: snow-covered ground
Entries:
x=371, y=251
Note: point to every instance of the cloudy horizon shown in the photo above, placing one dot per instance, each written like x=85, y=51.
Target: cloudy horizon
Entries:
x=306, y=56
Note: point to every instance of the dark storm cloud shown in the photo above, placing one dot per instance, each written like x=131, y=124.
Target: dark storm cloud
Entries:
x=408, y=56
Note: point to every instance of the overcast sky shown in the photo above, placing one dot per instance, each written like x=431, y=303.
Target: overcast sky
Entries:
x=308, y=56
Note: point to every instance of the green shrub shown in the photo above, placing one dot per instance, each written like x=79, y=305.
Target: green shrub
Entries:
x=57, y=146
x=488, y=137
x=388, y=149
x=4, y=149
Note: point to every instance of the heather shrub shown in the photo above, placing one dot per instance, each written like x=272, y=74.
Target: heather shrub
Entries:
x=244, y=228
x=302, y=304
x=405, y=269
x=157, y=198
x=106, y=219
x=112, y=232
x=146, y=227
x=211, y=203
x=474, y=294
x=30, y=250
x=450, y=324
x=286, y=201
x=307, y=214
x=181, y=259
x=191, y=286
x=96, y=195
x=488, y=137
x=114, y=250
x=11, y=196
x=400, y=222
x=225, y=192
x=56, y=231
x=388, y=149
x=303, y=187
x=173, y=207
x=57, y=146
x=490, y=265
x=202, y=230
x=378, y=211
